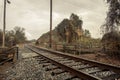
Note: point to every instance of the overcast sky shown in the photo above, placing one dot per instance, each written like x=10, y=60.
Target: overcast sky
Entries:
x=33, y=15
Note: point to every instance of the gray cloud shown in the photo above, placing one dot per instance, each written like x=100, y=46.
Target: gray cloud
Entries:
x=33, y=15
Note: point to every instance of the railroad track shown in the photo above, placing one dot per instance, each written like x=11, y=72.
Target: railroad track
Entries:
x=79, y=68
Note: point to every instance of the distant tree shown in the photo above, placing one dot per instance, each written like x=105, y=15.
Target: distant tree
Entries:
x=113, y=16
x=87, y=33
x=19, y=34
x=16, y=36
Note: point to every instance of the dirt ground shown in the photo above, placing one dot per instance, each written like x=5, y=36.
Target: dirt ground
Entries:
x=101, y=58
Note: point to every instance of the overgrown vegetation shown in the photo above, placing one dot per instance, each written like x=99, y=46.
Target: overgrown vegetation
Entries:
x=111, y=38
x=13, y=37
x=113, y=16
x=69, y=32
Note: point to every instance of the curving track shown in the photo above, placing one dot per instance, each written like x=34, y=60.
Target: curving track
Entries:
x=79, y=68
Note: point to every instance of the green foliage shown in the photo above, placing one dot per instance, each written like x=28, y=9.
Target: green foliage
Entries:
x=61, y=27
x=76, y=22
x=17, y=35
x=87, y=33
x=113, y=17
x=111, y=37
x=111, y=44
x=69, y=31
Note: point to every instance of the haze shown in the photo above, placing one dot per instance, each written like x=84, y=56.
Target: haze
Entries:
x=33, y=15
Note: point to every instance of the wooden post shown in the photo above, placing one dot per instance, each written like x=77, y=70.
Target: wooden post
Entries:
x=4, y=24
x=50, y=24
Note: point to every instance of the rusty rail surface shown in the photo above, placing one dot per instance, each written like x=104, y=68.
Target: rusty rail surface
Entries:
x=80, y=74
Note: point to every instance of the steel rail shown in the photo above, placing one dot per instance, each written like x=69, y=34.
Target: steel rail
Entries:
x=116, y=69
x=74, y=72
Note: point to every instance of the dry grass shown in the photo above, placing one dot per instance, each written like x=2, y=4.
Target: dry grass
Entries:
x=102, y=58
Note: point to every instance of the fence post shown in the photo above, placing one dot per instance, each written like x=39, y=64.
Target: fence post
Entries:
x=17, y=52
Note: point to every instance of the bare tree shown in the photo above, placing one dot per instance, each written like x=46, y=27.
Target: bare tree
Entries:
x=113, y=16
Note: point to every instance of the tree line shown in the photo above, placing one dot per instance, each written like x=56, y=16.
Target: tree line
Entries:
x=13, y=37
